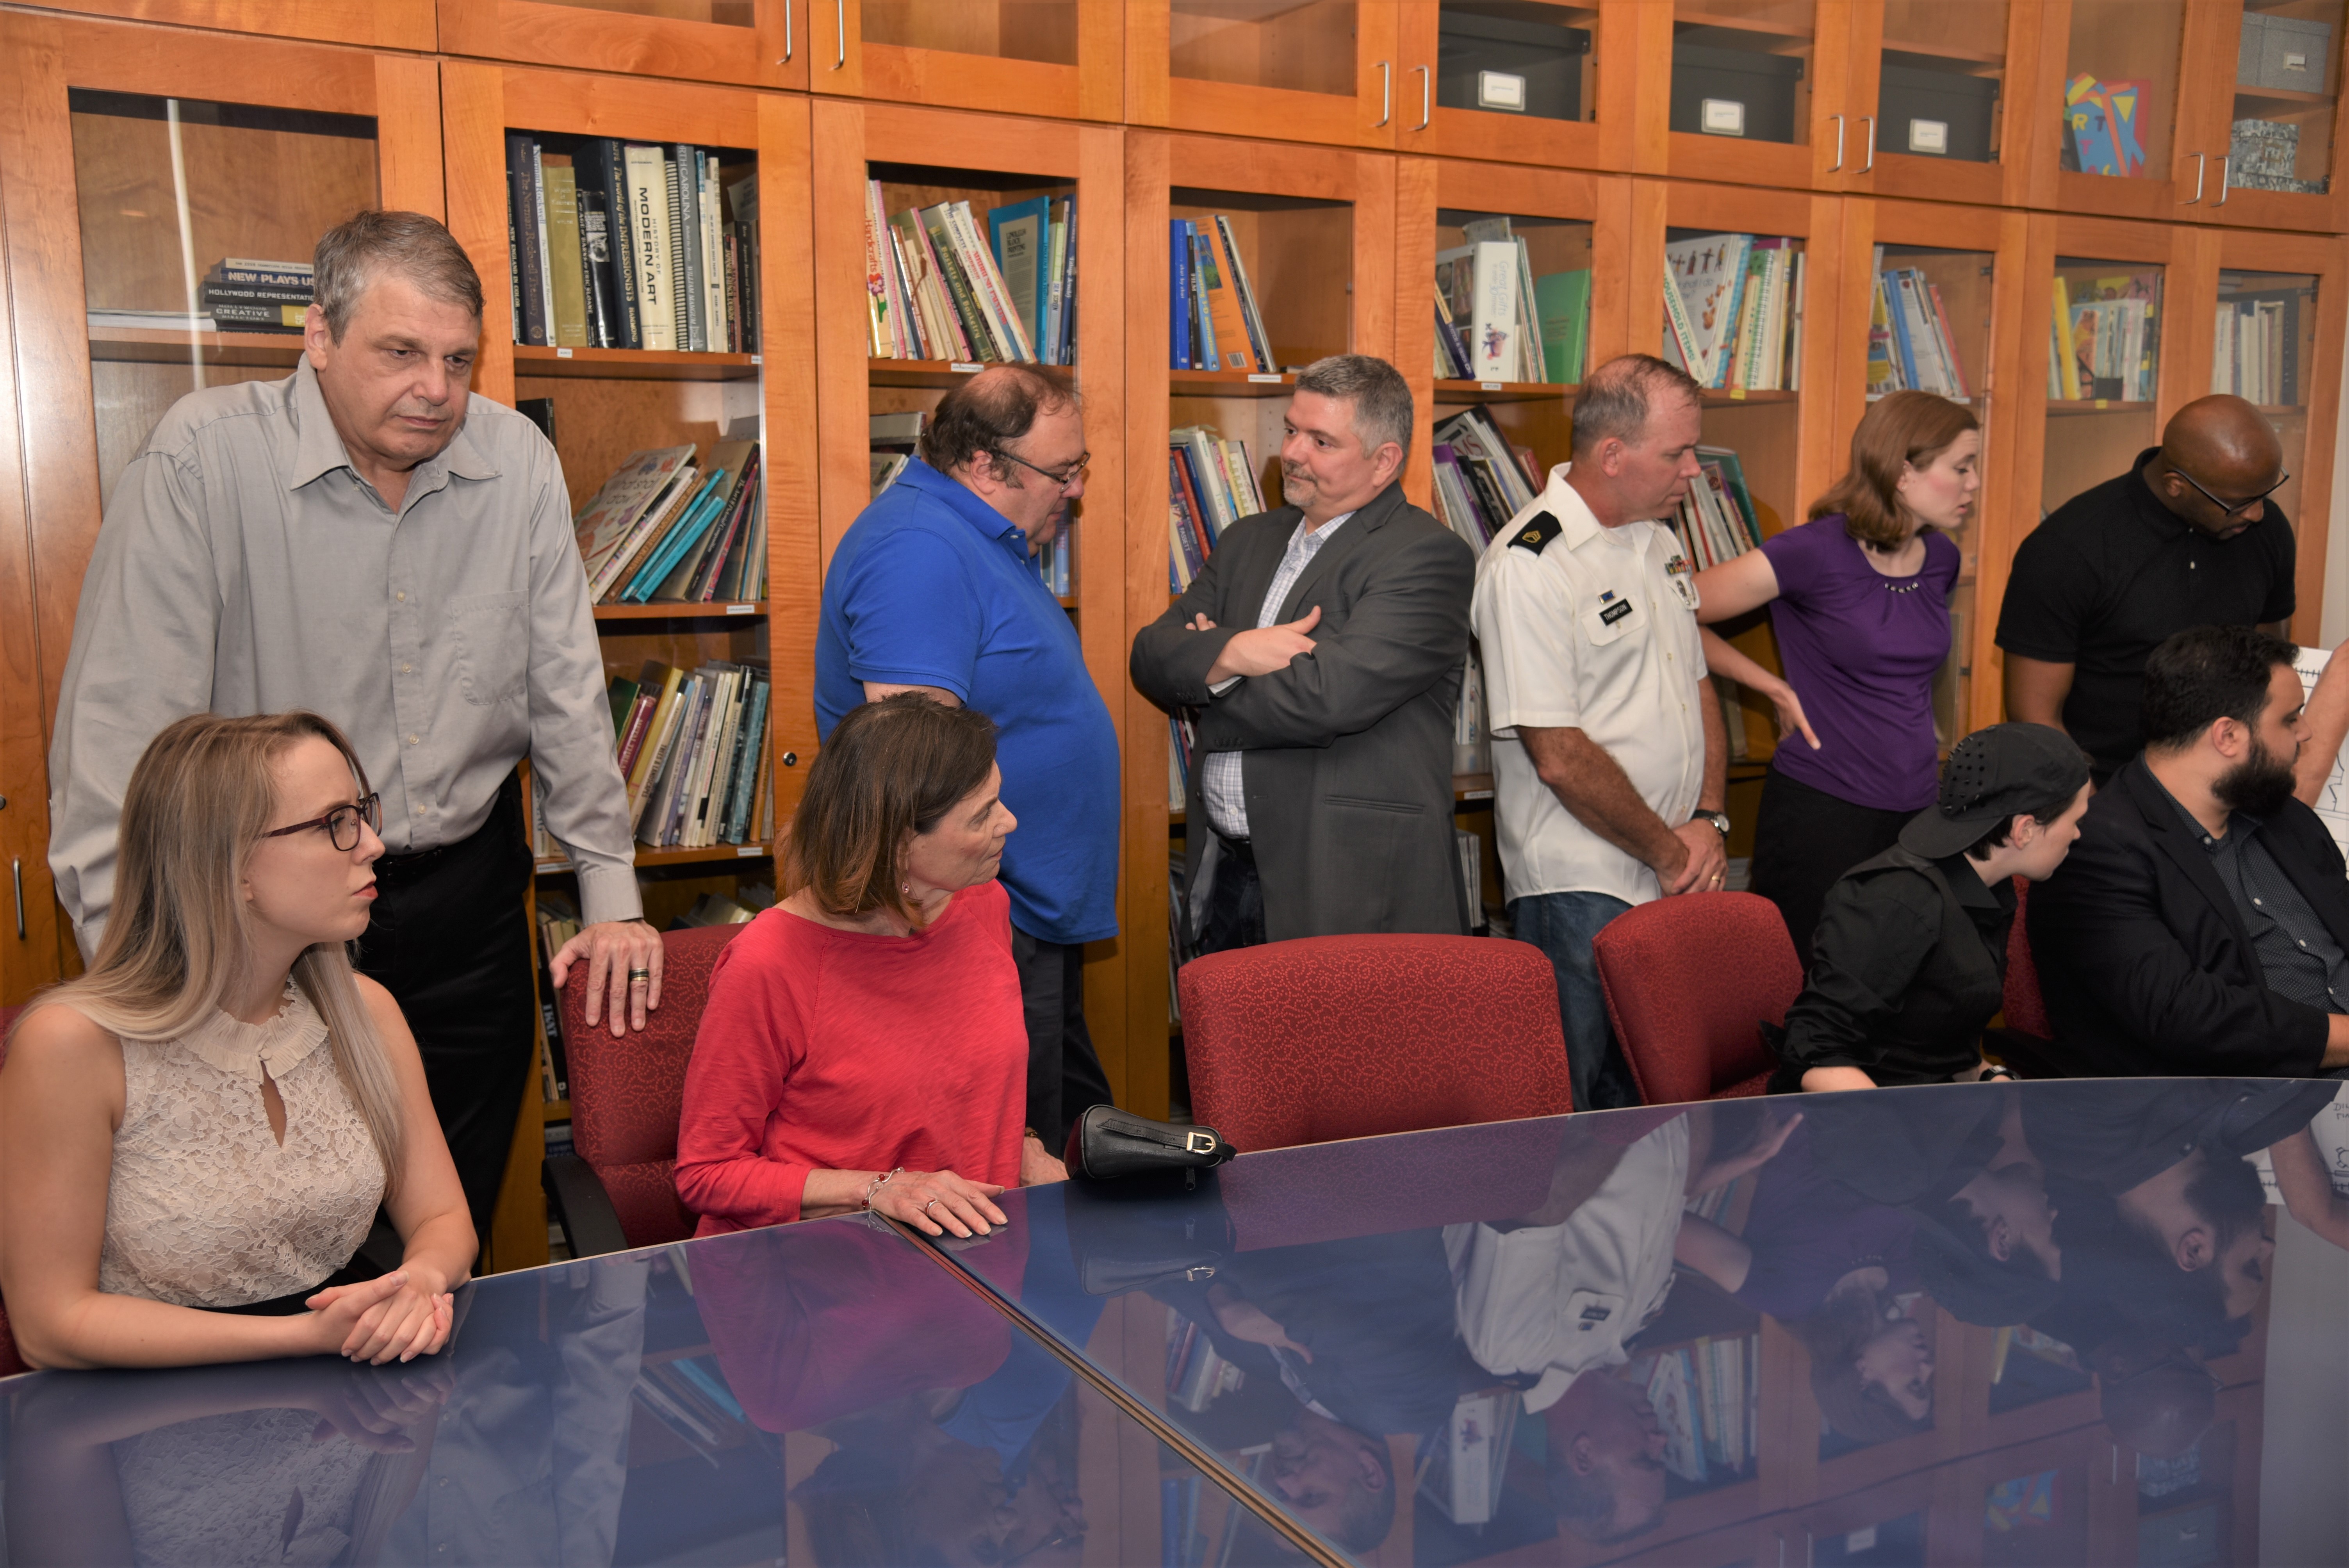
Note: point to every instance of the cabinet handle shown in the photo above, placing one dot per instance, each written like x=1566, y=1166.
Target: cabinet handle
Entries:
x=1426, y=96
x=2226, y=175
x=17, y=873
x=787, y=35
x=1386, y=91
x=840, y=31
x=2202, y=166
x=1836, y=167
x=1869, y=167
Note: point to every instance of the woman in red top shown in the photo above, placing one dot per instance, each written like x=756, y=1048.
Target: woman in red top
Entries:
x=863, y=1045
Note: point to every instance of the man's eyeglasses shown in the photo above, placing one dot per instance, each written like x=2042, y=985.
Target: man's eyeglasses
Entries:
x=2231, y=508
x=1069, y=473
x=342, y=823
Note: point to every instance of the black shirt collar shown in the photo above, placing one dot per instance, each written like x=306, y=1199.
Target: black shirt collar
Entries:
x=1967, y=886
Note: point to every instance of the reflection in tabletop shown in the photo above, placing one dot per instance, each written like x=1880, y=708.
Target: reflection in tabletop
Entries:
x=821, y=1393
x=1996, y=1324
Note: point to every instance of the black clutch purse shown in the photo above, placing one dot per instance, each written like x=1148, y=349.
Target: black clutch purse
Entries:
x=1107, y=1144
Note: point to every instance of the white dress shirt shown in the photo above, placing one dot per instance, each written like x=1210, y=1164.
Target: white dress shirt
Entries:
x=1595, y=631
x=1556, y=1300
x=1220, y=785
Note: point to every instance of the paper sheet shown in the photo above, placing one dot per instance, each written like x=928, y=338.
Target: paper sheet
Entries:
x=2333, y=805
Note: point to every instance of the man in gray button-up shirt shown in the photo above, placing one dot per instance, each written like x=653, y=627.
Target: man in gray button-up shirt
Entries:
x=365, y=541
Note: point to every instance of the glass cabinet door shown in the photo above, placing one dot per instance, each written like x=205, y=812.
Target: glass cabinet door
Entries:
x=2119, y=121
x=1743, y=73
x=1313, y=70
x=2282, y=117
x=1936, y=127
x=1520, y=82
x=1043, y=31
x=2104, y=344
x=749, y=43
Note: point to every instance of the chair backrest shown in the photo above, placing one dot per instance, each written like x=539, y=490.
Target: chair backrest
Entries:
x=1352, y=1037
x=2026, y=1008
x=626, y=1093
x=1689, y=983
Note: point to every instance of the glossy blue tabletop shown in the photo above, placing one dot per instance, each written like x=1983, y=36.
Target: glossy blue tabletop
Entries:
x=2040, y=1323
x=2062, y=1323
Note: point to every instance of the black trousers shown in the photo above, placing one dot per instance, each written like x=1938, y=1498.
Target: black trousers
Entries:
x=1804, y=840
x=1235, y=901
x=1064, y=1072
x=449, y=941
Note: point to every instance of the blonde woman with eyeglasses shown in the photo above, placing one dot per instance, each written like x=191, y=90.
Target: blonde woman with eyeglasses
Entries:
x=195, y=1135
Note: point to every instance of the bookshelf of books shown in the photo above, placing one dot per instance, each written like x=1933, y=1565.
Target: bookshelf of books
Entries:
x=1732, y=305
x=1310, y=235
x=742, y=42
x=2111, y=374
x=640, y=346
x=2279, y=299
x=1944, y=316
x=1007, y=252
x=131, y=241
x=1057, y=58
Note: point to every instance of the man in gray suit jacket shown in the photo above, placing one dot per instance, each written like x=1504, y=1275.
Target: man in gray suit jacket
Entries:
x=1321, y=646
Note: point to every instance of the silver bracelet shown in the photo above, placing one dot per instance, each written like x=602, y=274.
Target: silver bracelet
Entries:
x=873, y=1188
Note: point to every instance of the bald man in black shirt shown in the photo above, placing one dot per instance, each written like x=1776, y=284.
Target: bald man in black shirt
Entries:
x=2188, y=537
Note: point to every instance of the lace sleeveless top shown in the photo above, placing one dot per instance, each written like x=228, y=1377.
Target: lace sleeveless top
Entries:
x=202, y=1206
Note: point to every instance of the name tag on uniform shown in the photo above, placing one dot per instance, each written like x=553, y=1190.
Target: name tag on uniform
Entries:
x=1610, y=616
x=1615, y=611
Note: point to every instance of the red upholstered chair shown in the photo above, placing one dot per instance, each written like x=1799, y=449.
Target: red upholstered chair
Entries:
x=1351, y=1036
x=619, y=1190
x=1689, y=983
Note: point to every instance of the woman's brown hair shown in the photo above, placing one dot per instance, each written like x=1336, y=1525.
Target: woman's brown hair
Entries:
x=1902, y=428
x=891, y=769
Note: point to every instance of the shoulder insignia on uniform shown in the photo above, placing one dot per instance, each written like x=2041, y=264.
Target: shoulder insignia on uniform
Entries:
x=1538, y=532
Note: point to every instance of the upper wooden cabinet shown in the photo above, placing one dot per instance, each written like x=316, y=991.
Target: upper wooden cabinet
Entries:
x=1064, y=58
x=1545, y=84
x=747, y=43
x=378, y=23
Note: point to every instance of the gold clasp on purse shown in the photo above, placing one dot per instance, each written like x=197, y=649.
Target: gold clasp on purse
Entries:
x=1199, y=1143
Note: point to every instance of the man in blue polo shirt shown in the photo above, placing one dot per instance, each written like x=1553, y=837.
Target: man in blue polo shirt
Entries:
x=935, y=589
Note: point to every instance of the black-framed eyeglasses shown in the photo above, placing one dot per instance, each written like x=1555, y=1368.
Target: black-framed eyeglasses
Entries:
x=2231, y=508
x=342, y=823
x=1070, y=472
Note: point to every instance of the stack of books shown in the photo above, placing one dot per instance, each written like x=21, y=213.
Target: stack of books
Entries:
x=1195, y=1374
x=623, y=244
x=1462, y=1468
x=1495, y=321
x=1211, y=304
x=937, y=288
x=895, y=440
x=1481, y=480
x=663, y=530
x=1734, y=312
x=1909, y=345
x=1716, y=522
x=242, y=295
x=2103, y=130
x=2266, y=155
x=2105, y=338
x=1182, y=740
x=2257, y=347
x=1211, y=484
x=693, y=749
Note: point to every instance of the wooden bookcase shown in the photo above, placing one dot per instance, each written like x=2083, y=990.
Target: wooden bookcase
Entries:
x=610, y=402
x=1325, y=71
x=1059, y=57
x=924, y=156
x=376, y=23
x=92, y=221
x=1906, y=60
x=1316, y=229
x=1616, y=90
x=742, y=42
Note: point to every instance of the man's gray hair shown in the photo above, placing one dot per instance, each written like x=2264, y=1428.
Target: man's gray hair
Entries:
x=355, y=252
x=1618, y=398
x=1381, y=396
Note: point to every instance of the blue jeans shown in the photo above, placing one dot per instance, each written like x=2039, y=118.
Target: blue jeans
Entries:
x=1562, y=924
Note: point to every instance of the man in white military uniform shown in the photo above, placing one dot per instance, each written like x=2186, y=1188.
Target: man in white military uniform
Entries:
x=1609, y=754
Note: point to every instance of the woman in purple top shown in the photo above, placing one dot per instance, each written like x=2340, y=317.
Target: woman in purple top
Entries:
x=1859, y=599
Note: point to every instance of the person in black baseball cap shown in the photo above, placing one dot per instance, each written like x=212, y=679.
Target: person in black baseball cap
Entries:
x=1908, y=962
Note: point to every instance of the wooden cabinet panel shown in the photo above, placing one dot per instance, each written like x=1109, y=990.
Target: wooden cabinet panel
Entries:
x=746, y=43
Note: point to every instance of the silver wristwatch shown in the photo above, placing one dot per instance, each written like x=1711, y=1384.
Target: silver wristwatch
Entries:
x=1720, y=820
